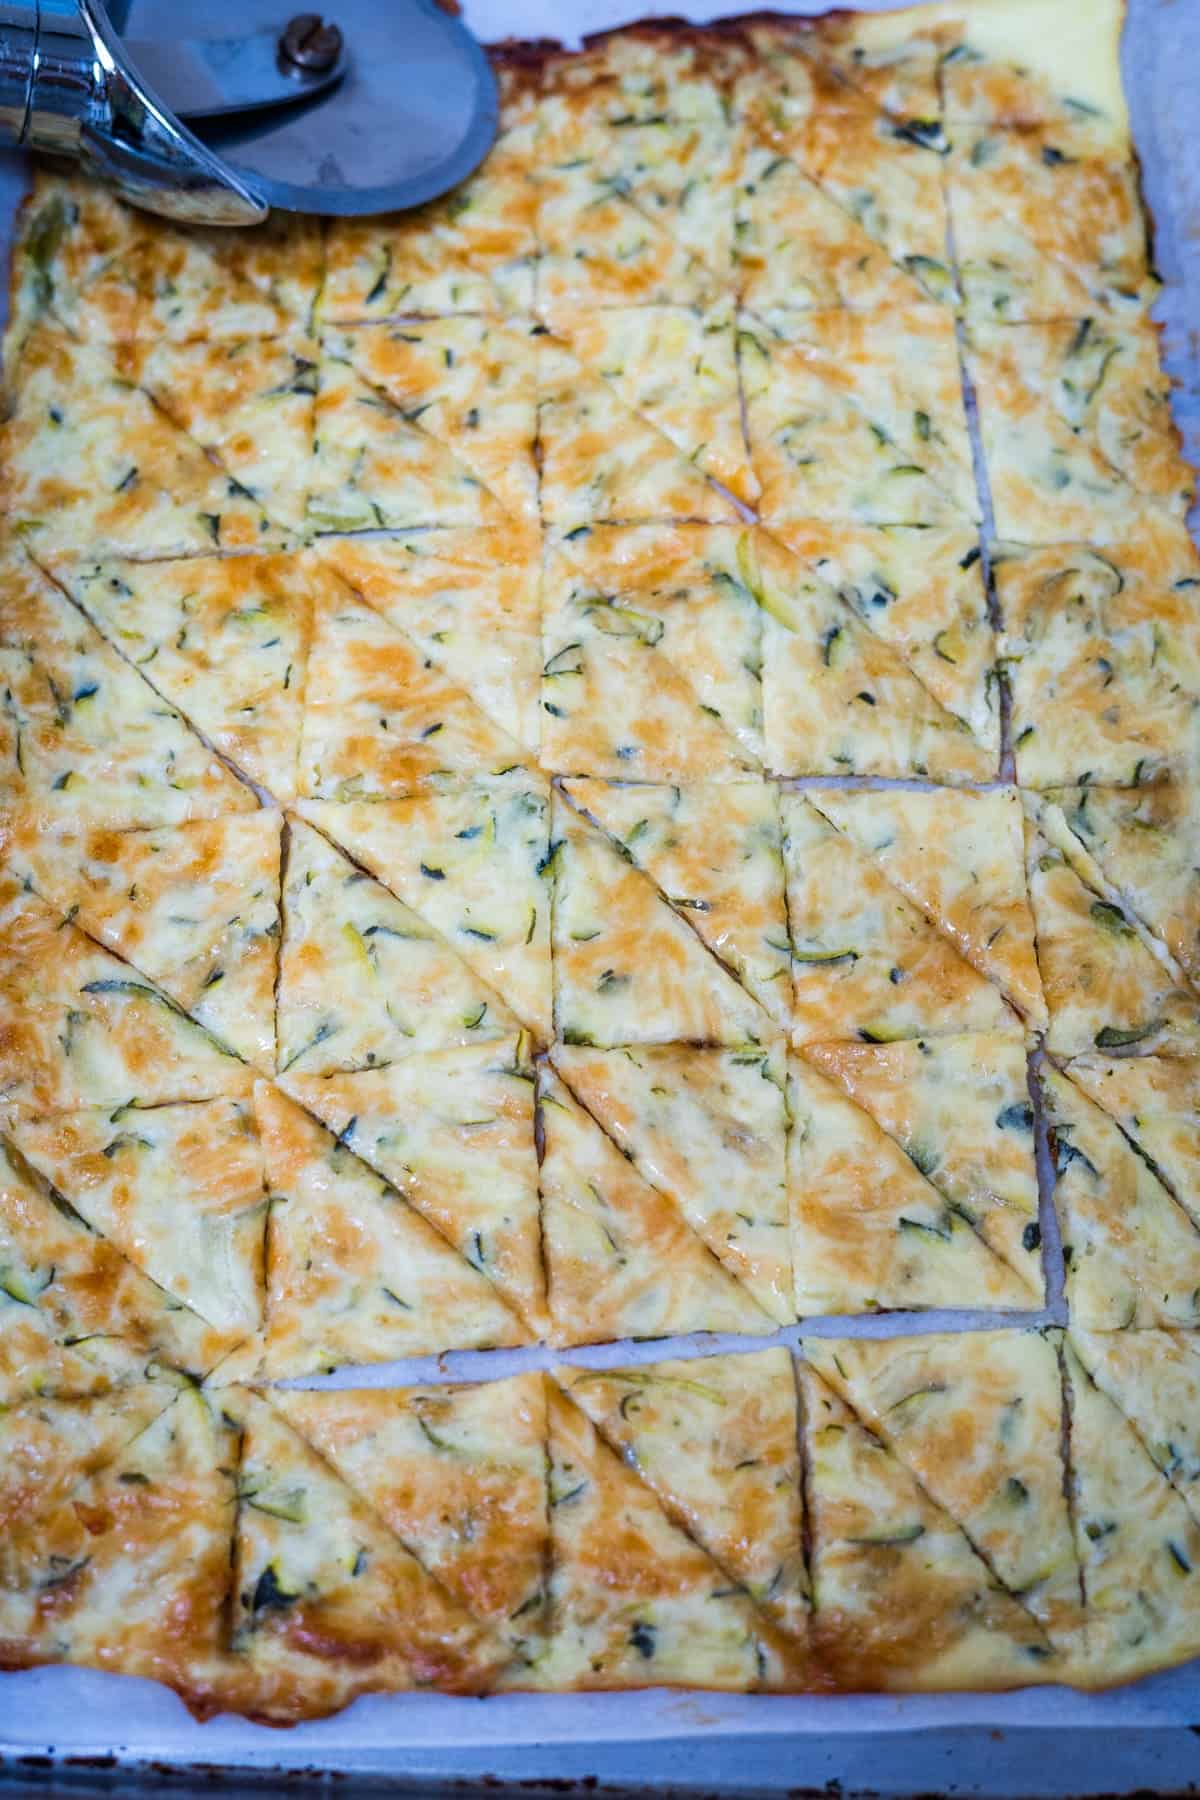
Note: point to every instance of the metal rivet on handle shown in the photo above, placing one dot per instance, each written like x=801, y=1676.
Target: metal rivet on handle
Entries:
x=310, y=42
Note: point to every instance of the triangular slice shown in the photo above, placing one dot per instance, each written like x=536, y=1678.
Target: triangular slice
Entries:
x=627, y=969
x=328, y=1603
x=959, y=1108
x=354, y=1273
x=223, y=638
x=76, y=1317
x=1105, y=988
x=469, y=599
x=84, y=1029
x=839, y=699
x=667, y=1615
x=195, y=906
x=1132, y=1251
x=178, y=1189
x=474, y=863
x=978, y=1419
x=708, y=1129
x=131, y=1571
x=922, y=591
x=91, y=465
x=869, y=1231
x=48, y=1446
x=380, y=721
x=453, y=1131
x=1139, y=1547
x=959, y=857
x=817, y=451
x=1156, y=1102
x=371, y=467
x=903, y=1602
x=602, y=463
x=1145, y=840
x=1154, y=1377
x=715, y=852
x=797, y=248
x=717, y=1439
x=865, y=962
x=675, y=367
x=459, y=1475
x=653, y=649
x=85, y=738
x=248, y=401
x=470, y=384
x=893, y=59
x=621, y=1258
x=362, y=978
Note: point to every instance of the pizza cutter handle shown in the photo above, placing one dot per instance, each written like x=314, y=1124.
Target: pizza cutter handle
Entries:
x=67, y=86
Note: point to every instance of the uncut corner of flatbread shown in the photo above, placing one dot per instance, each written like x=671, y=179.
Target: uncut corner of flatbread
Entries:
x=1024, y=64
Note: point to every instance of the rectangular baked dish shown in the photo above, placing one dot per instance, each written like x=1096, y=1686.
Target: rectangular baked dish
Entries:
x=611, y=760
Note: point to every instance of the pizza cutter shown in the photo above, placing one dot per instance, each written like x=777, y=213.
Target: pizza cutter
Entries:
x=371, y=106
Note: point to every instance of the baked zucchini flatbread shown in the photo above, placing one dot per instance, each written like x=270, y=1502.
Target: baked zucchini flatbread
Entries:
x=379, y=721
x=869, y=1228
x=1105, y=988
x=675, y=367
x=716, y=1438
x=715, y=853
x=475, y=863
x=837, y=699
x=652, y=647
x=865, y=963
x=1048, y=224
x=1156, y=1102
x=1145, y=842
x=903, y=1602
x=959, y=857
x=248, y=402
x=469, y=383
x=1139, y=1547
x=668, y=1614
x=328, y=1603
x=374, y=468
x=84, y=1029
x=223, y=638
x=86, y=740
x=623, y=1258
x=354, y=1273
x=459, y=1475
x=1015, y=65
x=923, y=592
x=130, y=1571
x=474, y=251
x=92, y=466
x=1132, y=1251
x=453, y=1131
x=1100, y=380
x=978, y=1420
x=469, y=599
x=77, y=1318
x=959, y=1108
x=179, y=1190
x=362, y=978
x=602, y=463
x=1153, y=1377
x=194, y=906
x=708, y=1128
x=628, y=969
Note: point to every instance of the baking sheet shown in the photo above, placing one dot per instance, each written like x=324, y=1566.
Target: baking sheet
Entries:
x=79, y=1713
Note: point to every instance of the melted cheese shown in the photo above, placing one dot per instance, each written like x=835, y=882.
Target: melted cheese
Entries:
x=708, y=1129
x=1156, y=1102
x=716, y=1439
x=1154, y=1377
x=1018, y=63
x=453, y=1131
x=1132, y=1252
x=622, y=1258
